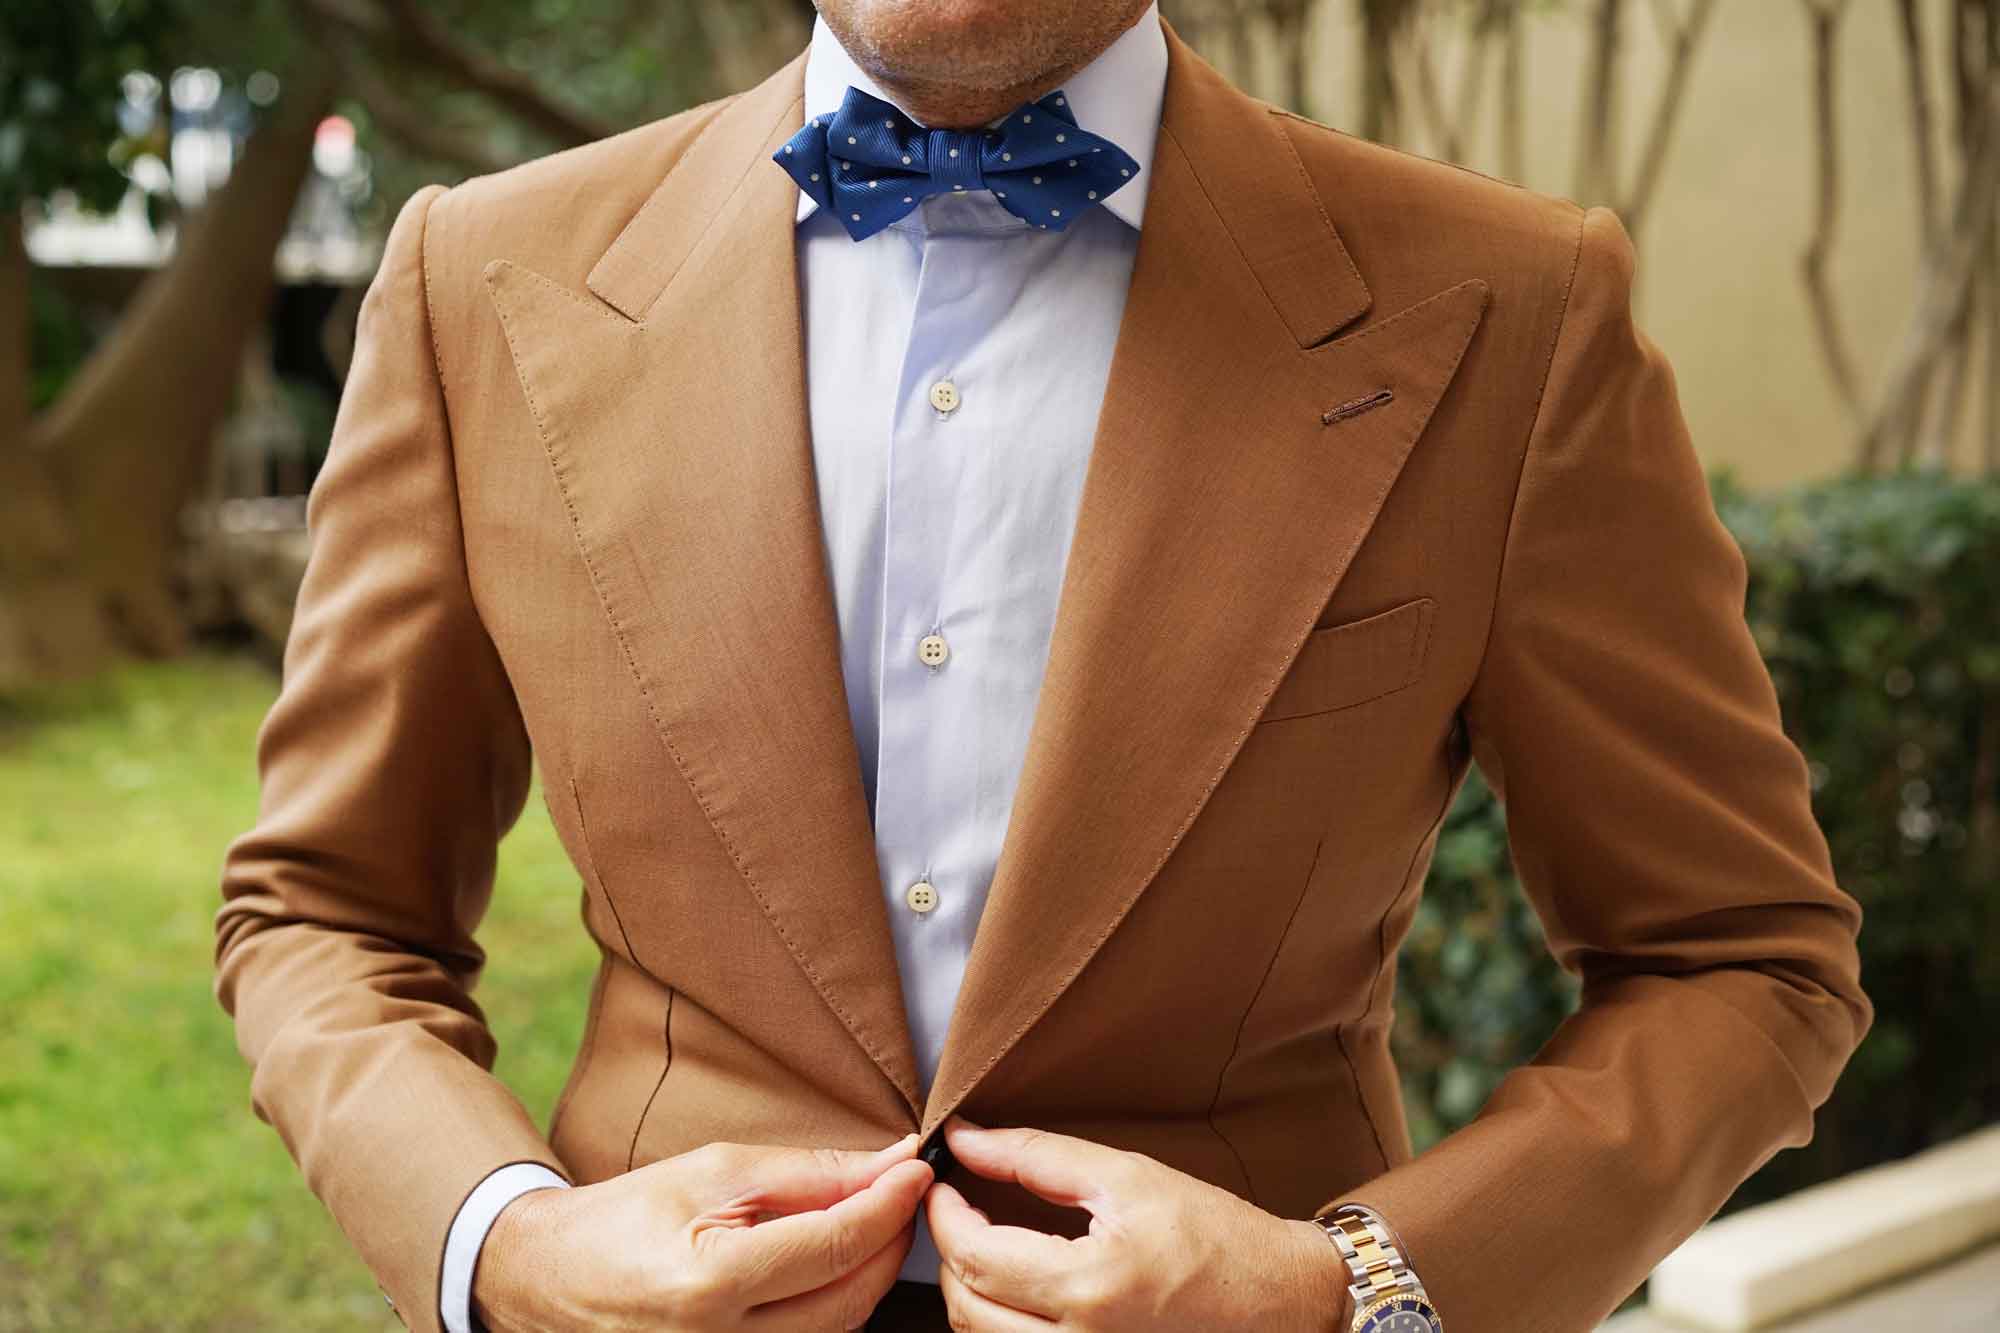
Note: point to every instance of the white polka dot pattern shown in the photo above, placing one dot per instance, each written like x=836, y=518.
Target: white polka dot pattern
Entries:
x=1028, y=155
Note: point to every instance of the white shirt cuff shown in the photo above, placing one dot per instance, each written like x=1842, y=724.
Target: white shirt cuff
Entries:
x=468, y=1234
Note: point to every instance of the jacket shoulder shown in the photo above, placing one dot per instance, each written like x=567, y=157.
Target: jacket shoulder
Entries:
x=557, y=213
x=1414, y=224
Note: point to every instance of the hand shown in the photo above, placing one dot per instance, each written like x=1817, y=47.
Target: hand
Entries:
x=726, y=1236
x=1165, y=1251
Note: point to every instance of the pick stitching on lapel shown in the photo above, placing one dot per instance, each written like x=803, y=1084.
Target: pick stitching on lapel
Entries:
x=675, y=420
x=1218, y=515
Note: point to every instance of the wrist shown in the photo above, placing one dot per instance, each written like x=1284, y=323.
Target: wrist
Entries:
x=1325, y=1305
x=1382, y=1282
x=502, y=1288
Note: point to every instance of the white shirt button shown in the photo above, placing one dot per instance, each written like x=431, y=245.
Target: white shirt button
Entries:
x=922, y=897
x=932, y=650
x=944, y=396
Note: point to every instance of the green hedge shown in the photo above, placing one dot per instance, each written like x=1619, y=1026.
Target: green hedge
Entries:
x=1876, y=602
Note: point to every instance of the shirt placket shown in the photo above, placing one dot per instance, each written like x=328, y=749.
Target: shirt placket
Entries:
x=928, y=764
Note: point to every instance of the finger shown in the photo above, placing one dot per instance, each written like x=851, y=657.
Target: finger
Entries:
x=973, y=1313
x=1056, y=1167
x=845, y=1302
x=799, y=1252
x=1015, y=1266
x=747, y=1183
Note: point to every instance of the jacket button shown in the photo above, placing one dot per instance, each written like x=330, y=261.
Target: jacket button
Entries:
x=938, y=1156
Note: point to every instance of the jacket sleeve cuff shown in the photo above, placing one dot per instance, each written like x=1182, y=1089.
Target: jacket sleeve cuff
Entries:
x=468, y=1235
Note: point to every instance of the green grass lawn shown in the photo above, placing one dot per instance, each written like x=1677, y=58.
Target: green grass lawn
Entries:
x=137, y=1189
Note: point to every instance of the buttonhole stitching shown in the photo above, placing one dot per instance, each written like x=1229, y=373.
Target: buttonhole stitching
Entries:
x=1354, y=407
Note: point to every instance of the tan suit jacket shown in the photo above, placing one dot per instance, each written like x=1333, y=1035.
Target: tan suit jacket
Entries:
x=1386, y=481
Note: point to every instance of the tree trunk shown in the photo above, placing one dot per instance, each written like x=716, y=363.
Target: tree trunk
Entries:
x=1381, y=100
x=49, y=624
x=1513, y=98
x=14, y=350
x=1597, y=152
x=128, y=443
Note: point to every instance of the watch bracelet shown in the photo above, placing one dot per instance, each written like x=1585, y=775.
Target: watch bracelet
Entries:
x=1376, y=1260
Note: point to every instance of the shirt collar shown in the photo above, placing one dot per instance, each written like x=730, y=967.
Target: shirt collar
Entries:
x=1118, y=96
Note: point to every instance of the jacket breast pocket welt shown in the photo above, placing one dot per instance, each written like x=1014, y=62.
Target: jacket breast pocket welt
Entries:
x=1355, y=661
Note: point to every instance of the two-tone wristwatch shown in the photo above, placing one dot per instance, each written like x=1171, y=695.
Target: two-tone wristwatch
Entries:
x=1388, y=1296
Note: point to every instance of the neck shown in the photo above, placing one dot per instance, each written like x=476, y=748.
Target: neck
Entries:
x=946, y=106
x=937, y=101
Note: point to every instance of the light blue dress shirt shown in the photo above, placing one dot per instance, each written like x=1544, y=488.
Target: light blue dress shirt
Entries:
x=955, y=368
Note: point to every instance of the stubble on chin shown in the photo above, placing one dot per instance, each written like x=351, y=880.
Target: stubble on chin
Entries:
x=968, y=61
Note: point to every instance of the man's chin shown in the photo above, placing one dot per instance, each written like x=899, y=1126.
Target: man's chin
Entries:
x=978, y=46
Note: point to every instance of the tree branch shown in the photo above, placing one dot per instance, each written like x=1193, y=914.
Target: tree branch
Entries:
x=1992, y=298
x=1452, y=129
x=1430, y=101
x=1944, y=293
x=15, y=350
x=1289, y=17
x=1991, y=288
x=1513, y=98
x=1939, y=443
x=746, y=37
x=1921, y=122
x=1595, y=175
x=1491, y=22
x=415, y=129
x=424, y=38
x=1381, y=99
x=1825, y=19
x=1666, y=114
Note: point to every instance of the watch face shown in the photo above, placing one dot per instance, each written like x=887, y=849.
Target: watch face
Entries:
x=1399, y=1314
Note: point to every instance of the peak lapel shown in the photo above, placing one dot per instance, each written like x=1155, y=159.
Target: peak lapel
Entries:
x=671, y=400
x=1220, y=509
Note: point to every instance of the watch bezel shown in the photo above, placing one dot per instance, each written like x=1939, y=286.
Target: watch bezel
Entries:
x=1410, y=1302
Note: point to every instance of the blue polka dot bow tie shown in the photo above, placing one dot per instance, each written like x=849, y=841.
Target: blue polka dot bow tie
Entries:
x=870, y=164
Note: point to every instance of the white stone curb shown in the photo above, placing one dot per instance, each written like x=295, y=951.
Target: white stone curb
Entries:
x=1751, y=1269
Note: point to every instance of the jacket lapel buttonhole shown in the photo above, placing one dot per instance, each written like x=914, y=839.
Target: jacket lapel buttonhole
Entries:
x=1354, y=407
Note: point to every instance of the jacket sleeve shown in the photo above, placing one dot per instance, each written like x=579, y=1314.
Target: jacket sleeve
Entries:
x=1661, y=823
x=392, y=762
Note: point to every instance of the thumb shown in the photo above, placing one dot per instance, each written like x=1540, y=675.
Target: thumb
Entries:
x=1056, y=1167
x=761, y=1180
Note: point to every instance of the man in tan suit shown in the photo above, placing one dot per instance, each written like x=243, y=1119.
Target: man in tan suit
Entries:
x=995, y=474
